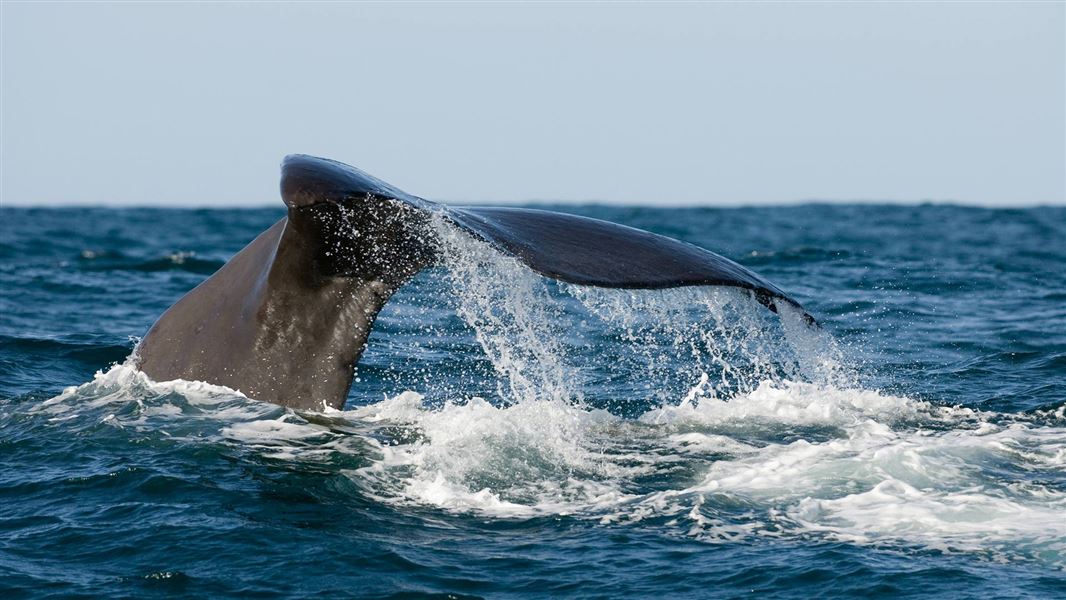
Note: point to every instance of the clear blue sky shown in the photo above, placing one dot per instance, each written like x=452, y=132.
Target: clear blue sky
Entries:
x=195, y=104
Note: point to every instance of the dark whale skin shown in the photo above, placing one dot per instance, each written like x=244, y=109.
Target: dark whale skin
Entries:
x=288, y=317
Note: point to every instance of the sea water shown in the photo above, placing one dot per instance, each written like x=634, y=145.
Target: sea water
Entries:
x=508, y=435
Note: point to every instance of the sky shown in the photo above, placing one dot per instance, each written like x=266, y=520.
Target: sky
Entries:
x=195, y=104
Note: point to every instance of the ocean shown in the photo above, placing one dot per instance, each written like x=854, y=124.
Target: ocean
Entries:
x=511, y=436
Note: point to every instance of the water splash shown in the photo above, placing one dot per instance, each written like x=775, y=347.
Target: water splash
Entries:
x=512, y=315
x=551, y=340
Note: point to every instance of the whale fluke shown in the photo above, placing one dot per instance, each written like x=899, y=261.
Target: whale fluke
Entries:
x=599, y=253
x=287, y=318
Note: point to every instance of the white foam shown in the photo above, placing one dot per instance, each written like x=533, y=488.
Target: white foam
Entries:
x=975, y=519
x=879, y=476
x=124, y=381
x=797, y=403
x=875, y=468
x=527, y=458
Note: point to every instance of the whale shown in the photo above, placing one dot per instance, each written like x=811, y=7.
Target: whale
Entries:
x=287, y=318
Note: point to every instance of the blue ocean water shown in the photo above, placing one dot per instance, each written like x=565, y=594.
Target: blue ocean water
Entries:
x=510, y=436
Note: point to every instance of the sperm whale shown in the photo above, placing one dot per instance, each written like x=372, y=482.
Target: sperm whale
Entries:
x=288, y=317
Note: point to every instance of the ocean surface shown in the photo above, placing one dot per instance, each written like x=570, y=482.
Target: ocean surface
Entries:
x=509, y=436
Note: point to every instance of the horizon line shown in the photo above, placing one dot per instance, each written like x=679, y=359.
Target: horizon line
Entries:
x=562, y=202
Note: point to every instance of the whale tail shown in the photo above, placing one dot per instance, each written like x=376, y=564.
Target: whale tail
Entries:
x=287, y=318
x=561, y=246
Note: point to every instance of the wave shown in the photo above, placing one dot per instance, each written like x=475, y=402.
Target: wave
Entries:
x=788, y=459
x=188, y=261
x=735, y=424
x=91, y=351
